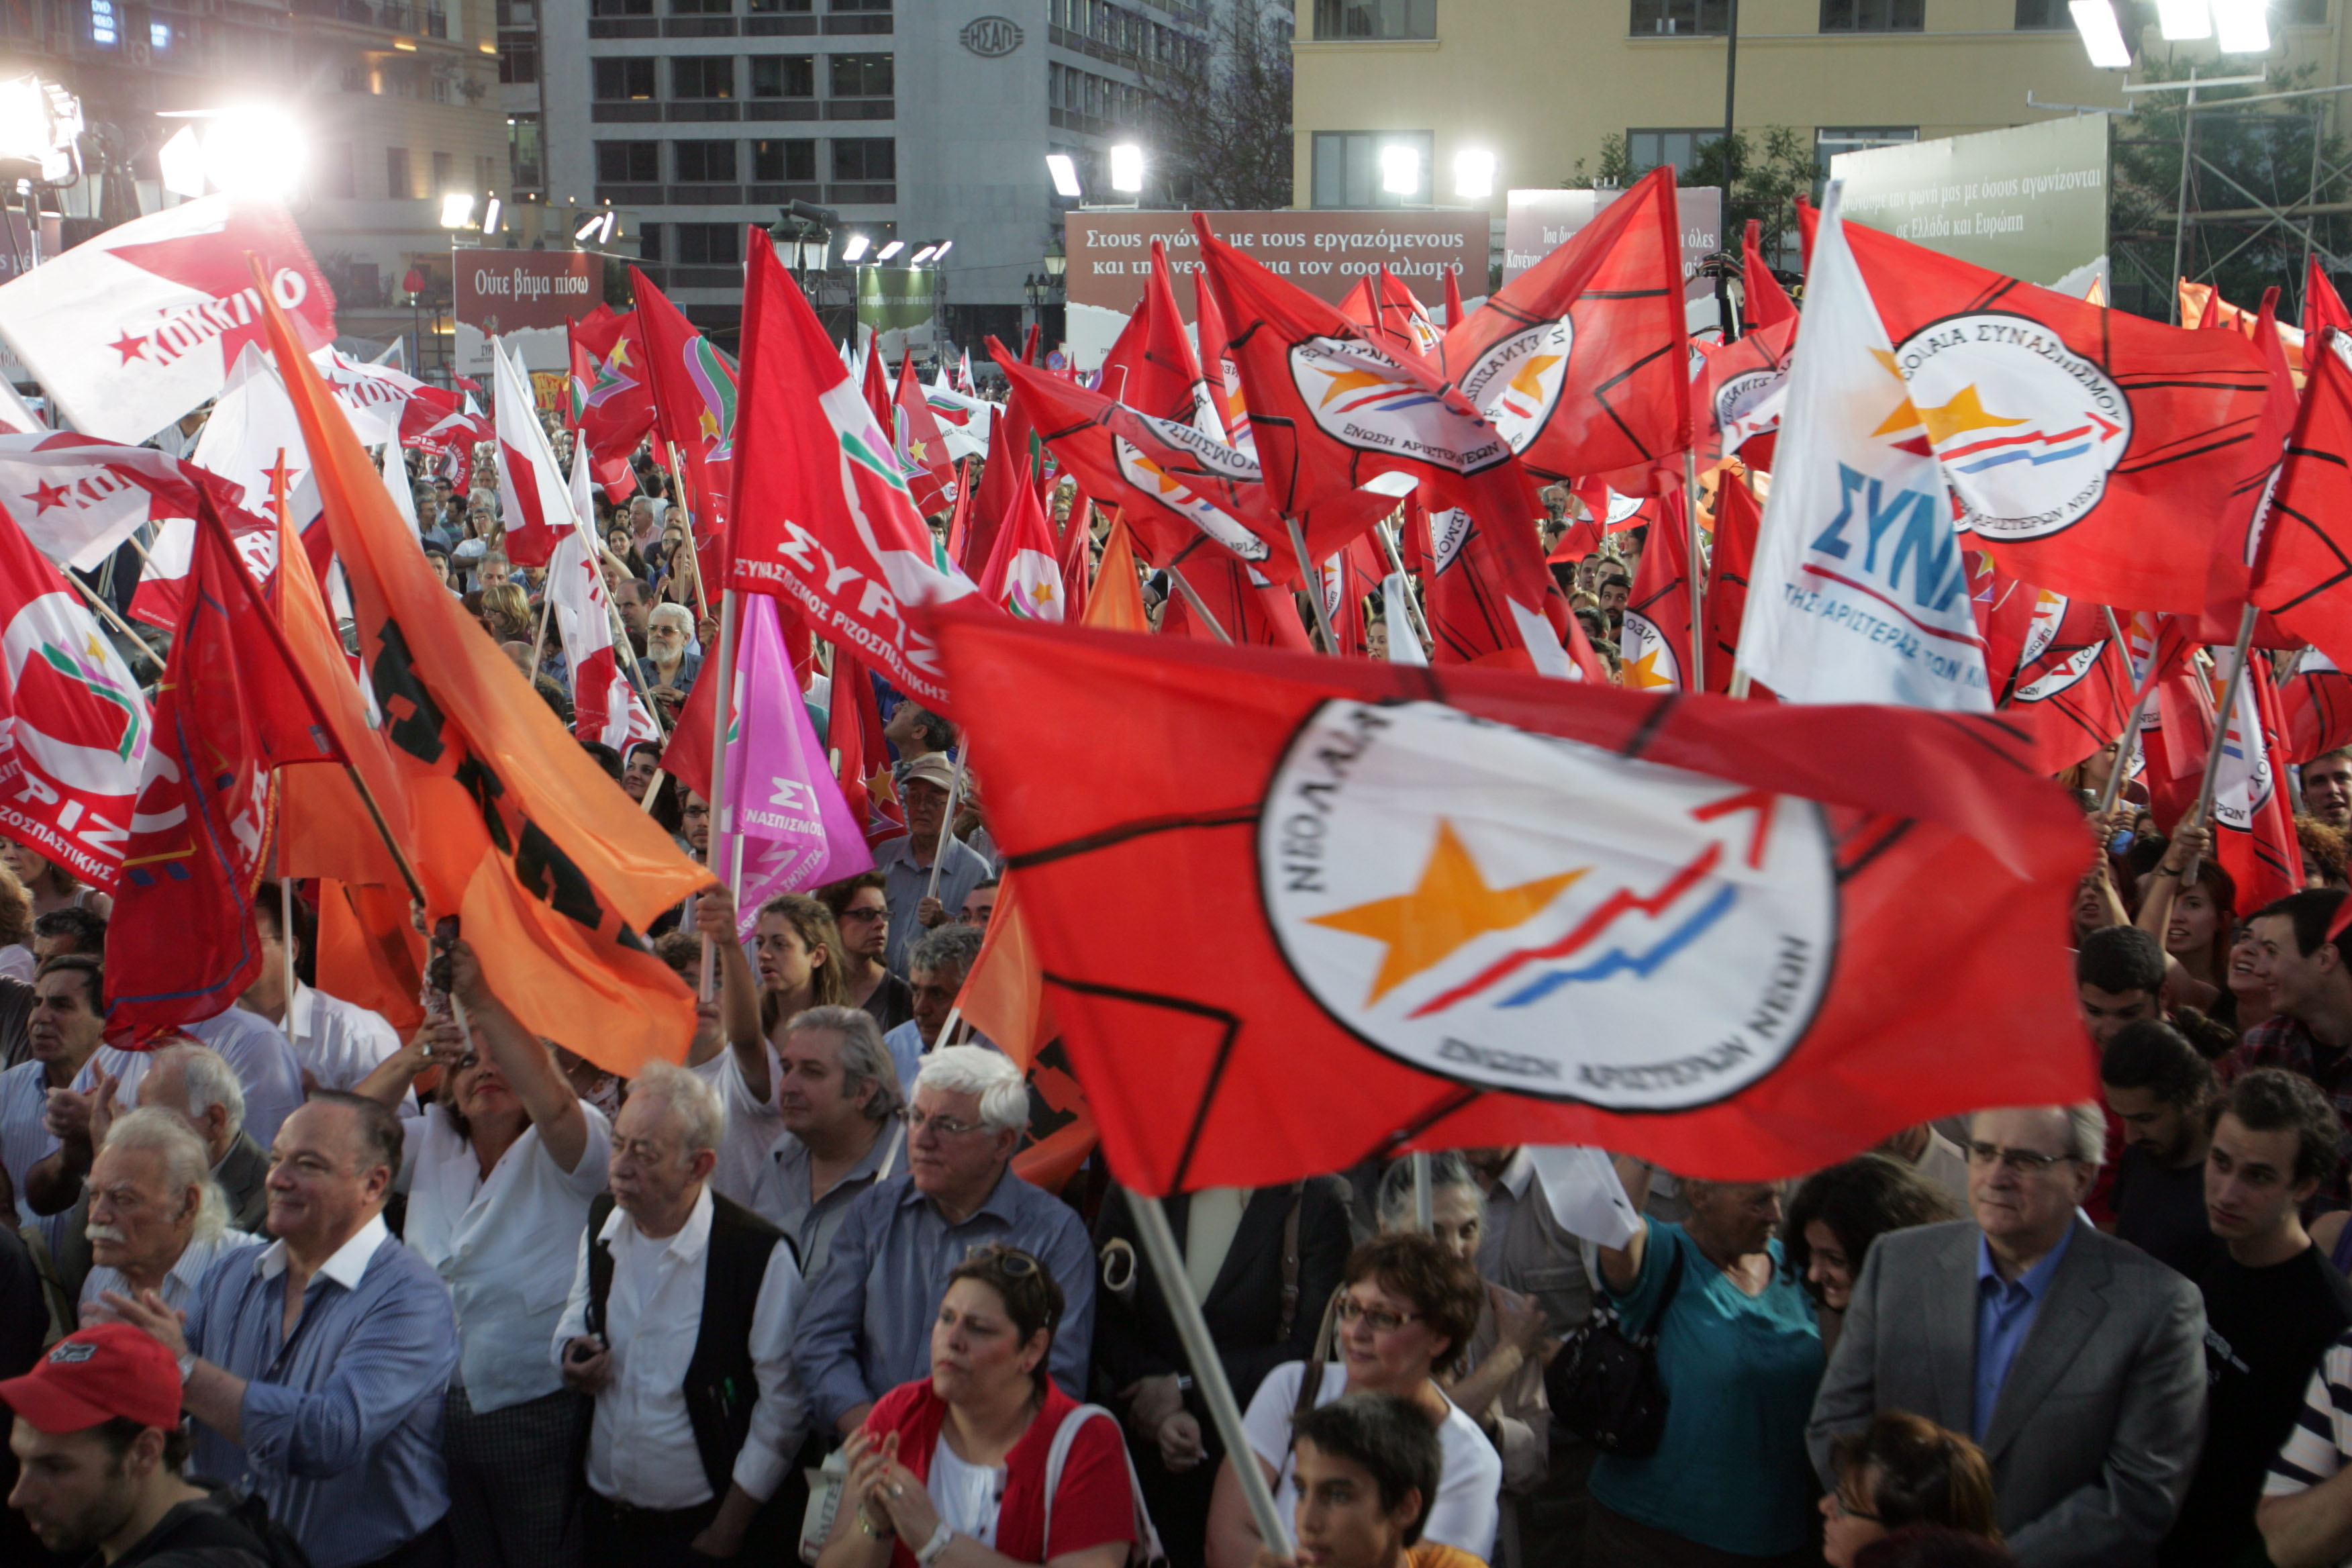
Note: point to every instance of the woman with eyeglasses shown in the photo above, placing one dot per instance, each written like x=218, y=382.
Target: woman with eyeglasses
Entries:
x=1899, y=1471
x=1740, y=1355
x=861, y=911
x=1405, y=1309
x=950, y=1472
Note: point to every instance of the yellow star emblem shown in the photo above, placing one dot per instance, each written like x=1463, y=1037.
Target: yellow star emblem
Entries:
x=1451, y=906
x=1347, y=381
x=620, y=354
x=1644, y=674
x=1528, y=384
x=1043, y=594
x=1963, y=414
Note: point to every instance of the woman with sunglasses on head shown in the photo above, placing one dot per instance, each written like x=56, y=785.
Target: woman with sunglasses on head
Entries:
x=1740, y=1355
x=1899, y=1471
x=1406, y=1309
x=951, y=1471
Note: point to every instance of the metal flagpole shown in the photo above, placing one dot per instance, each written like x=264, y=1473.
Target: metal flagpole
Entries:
x=947, y=829
x=726, y=695
x=2228, y=712
x=1208, y=1371
x=1424, y=1216
x=285, y=935
x=1176, y=576
x=1414, y=619
x=106, y=613
x=1312, y=581
x=2122, y=769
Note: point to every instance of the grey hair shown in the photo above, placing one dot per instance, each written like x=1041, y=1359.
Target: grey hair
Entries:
x=678, y=613
x=211, y=1081
x=946, y=947
x=1448, y=1169
x=701, y=1114
x=186, y=1162
x=863, y=1058
x=987, y=1075
x=2086, y=1129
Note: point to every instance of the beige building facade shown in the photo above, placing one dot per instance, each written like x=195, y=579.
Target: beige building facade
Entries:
x=1539, y=84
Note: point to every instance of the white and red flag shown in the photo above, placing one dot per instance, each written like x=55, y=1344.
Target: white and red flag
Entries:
x=533, y=499
x=603, y=706
x=129, y=331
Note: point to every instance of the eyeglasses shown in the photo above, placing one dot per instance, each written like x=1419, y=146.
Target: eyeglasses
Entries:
x=1844, y=1509
x=945, y=1126
x=2024, y=1162
x=1012, y=1259
x=1379, y=1320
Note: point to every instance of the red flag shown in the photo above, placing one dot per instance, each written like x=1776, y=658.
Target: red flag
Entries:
x=2303, y=571
x=1217, y=362
x=2071, y=682
x=2254, y=821
x=231, y=709
x=2004, y=612
x=1453, y=311
x=854, y=732
x=1737, y=517
x=1151, y=367
x=1489, y=598
x=1245, y=607
x=1742, y=387
x=1581, y=362
x=920, y=450
x=2176, y=729
x=1388, y=935
x=2229, y=576
x=2093, y=453
x=1655, y=643
x=694, y=402
x=1009, y=455
x=1763, y=302
x=685, y=757
x=2315, y=708
x=1385, y=310
x=1077, y=555
x=534, y=498
x=1348, y=579
x=2322, y=307
x=872, y=385
x=1024, y=574
x=612, y=394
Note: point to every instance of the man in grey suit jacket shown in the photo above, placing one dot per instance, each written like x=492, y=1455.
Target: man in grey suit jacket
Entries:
x=2074, y=1360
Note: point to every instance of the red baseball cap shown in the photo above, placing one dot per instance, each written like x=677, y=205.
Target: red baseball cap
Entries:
x=104, y=1371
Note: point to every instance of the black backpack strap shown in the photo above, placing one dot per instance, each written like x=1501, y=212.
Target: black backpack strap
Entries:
x=600, y=1263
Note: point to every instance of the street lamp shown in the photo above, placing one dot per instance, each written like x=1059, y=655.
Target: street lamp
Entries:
x=1064, y=170
x=457, y=208
x=2103, y=39
x=1127, y=168
x=1474, y=173
x=854, y=246
x=246, y=150
x=1400, y=168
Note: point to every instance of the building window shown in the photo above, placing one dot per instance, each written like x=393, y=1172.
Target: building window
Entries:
x=625, y=78
x=2043, y=15
x=105, y=23
x=702, y=76
x=784, y=75
x=649, y=241
x=1680, y=18
x=701, y=7
x=858, y=6
x=396, y=182
x=1376, y=19
x=159, y=35
x=1873, y=16
x=859, y=76
x=775, y=161
x=445, y=172
x=1645, y=150
x=1348, y=167
x=858, y=159
x=705, y=163
x=628, y=163
x=1831, y=140
x=522, y=151
x=485, y=174
x=769, y=7
x=621, y=7
x=706, y=244
x=342, y=170
x=518, y=58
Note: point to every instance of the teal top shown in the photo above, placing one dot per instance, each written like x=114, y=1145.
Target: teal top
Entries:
x=1740, y=1371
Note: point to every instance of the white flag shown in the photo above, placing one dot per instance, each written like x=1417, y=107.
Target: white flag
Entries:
x=1860, y=592
x=534, y=501
x=603, y=707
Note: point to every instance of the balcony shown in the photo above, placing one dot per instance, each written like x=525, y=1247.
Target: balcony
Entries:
x=834, y=25
x=779, y=26
x=623, y=28
x=698, y=28
x=780, y=109
x=706, y=195
x=861, y=109
x=778, y=195
x=862, y=195
x=702, y=108
x=625, y=110
x=418, y=20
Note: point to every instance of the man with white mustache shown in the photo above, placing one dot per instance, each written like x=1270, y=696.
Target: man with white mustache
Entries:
x=157, y=1219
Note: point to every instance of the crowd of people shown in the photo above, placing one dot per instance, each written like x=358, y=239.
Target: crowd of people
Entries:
x=286, y=1288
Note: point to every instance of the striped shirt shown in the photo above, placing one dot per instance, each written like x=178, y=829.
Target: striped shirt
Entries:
x=24, y=1141
x=2320, y=1441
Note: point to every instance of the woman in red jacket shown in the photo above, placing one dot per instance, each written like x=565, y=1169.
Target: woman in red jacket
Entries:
x=951, y=1471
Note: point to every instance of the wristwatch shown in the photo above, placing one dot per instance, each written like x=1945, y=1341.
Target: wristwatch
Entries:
x=935, y=1545
x=187, y=1367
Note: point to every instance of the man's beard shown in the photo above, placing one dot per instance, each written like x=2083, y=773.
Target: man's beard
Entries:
x=106, y=1514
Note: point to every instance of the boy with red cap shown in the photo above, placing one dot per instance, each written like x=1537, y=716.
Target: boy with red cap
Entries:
x=99, y=1439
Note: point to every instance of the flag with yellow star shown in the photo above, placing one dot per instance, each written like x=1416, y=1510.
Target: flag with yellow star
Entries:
x=1309, y=911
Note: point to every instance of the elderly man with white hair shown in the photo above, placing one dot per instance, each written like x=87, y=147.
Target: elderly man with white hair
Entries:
x=868, y=1327
x=679, y=1296
x=671, y=662
x=157, y=1219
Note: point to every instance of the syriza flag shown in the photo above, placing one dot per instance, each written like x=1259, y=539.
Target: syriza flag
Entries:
x=74, y=727
x=1860, y=591
x=1742, y=954
x=824, y=519
x=129, y=331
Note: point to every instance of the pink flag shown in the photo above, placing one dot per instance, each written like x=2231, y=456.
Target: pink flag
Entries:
x=797, y=831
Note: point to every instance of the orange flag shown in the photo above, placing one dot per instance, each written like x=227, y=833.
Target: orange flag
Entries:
x=369, y=951
x=1115, y=603
x=505, y=821
x=1003, y=994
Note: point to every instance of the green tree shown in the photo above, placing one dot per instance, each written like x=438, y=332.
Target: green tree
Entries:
x=1765, y=180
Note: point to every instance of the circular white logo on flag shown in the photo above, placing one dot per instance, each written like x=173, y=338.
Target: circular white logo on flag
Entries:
x=2027, y=429
x=1522, y=912
x=1741, y=396
x=1516, y=382
x=1361, y=398
x=78, y=713
x=1649, y=656
x=2049, y=613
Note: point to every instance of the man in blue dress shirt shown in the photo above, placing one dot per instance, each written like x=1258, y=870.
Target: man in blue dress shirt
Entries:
x=315, y=1367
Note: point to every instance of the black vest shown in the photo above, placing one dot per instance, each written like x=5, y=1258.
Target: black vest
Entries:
x=721, y=1385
